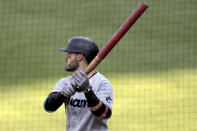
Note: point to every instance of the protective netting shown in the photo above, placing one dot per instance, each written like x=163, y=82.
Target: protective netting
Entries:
x=152, y=69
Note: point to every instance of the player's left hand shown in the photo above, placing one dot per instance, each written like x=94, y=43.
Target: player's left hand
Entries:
x=81, y=80
x=68, y=87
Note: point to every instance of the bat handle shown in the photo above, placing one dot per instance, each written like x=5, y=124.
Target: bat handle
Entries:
x=93, y=64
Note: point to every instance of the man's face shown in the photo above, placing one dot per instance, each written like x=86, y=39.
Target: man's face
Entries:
x=71, y=62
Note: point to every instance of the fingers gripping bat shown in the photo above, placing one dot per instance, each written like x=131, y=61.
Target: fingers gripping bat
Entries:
x=116, y=37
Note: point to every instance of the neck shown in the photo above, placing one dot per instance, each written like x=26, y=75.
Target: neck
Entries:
x=83, y=67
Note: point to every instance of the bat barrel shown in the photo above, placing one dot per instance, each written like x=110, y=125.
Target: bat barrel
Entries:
x=117, y=36
x=122, y=30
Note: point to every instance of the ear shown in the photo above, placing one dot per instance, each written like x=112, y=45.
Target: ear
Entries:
x=80, y=57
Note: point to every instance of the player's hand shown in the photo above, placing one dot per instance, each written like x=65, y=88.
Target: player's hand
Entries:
x=81, y=80
x=69, y=87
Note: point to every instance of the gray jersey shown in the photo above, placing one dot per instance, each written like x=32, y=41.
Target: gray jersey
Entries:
x=79, y=117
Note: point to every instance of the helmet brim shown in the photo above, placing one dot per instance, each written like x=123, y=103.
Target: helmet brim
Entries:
x=64, y=49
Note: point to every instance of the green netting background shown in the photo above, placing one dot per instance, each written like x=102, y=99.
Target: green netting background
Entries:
x=153, y=69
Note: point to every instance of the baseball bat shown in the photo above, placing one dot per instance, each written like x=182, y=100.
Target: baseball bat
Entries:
x=116, y=37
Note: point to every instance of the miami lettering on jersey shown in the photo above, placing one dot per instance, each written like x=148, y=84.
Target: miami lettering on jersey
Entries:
x=81, y=103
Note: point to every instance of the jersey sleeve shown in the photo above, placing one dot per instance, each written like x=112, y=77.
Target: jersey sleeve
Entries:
x=59, y=85
x=55, y=99
x=105, y=93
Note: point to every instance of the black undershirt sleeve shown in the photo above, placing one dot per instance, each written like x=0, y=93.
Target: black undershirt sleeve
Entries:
x=93, y=101
x=91, y=98
x=54, y=101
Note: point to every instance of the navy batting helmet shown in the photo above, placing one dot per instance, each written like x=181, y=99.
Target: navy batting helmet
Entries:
x=82, y=45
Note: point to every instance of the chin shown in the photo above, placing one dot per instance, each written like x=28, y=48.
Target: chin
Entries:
x=69, y=69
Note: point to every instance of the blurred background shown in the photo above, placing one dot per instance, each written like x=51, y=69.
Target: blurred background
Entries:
x=153, y=69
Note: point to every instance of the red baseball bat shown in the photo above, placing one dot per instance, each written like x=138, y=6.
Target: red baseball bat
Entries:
x=116, y=37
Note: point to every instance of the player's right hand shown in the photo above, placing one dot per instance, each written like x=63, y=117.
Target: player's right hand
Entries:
x=69, y=87
x=81, y=81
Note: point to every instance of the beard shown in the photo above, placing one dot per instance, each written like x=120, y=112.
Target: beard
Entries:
x=72, y=66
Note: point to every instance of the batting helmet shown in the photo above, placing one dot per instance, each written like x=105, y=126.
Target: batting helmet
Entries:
x=82, y=45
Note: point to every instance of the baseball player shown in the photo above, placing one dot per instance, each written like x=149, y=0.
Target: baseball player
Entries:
x=88, y=98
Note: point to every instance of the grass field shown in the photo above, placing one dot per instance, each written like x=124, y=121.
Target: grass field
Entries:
x=153, y=69
x=151, y=102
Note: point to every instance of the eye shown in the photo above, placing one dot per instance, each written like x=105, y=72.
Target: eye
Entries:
x=68, y=56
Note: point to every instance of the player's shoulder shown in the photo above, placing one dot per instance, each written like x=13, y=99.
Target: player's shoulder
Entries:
x=100, y=80
x=61, y=80
x=65, y=78
x=59, y=85
x=99, y=76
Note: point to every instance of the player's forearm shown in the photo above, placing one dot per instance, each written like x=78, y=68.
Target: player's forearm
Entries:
x=97, y=107
x=53, y=101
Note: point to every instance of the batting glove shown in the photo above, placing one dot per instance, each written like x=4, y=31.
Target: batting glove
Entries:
x=82, y=81
x=68, y=87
